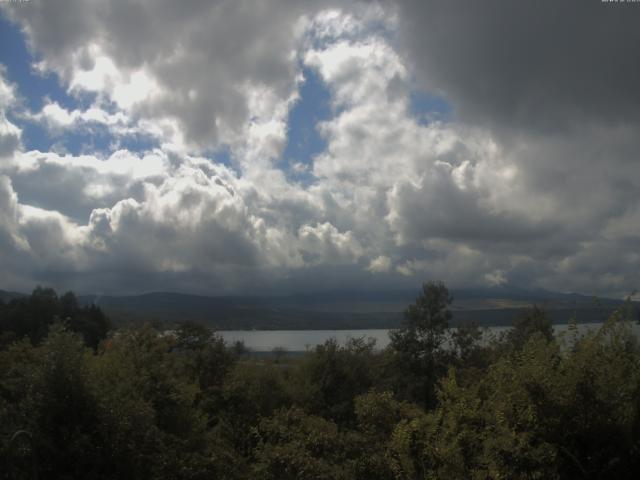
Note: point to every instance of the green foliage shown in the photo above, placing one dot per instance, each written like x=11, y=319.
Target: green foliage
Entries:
x=416, y=348
x=532, y=321
x=251, y=391
x=31, y=317
x=330, y=377
x=206, y=358
x=378, y=413
x=183, y=405
x=292, y=445
x=146, y=405
x=127, y=412
x=542, y=412
x=426, y=321
x=465, y=341
x=46, y=392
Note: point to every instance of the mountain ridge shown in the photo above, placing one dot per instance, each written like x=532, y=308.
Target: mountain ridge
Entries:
x=339, y=309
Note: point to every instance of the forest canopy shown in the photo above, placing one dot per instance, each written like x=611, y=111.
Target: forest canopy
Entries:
x=80, y=399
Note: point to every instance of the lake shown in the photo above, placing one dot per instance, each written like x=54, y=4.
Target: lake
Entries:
x=301, y=340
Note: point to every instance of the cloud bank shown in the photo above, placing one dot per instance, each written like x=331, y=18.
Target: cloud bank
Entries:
x=532, y=180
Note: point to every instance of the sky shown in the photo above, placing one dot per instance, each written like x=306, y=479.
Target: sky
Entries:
x=280, y=146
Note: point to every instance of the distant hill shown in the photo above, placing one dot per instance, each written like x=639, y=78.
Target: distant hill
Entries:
x=236, y=312
x=340, y=309
x=344, y=309
x=6, y=296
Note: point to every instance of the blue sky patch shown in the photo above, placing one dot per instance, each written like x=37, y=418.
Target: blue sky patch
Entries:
x=89, y=139
x=34, y=89
x=428, y=108
x=18, y=60
x=34, y=136
x=303, y=139
x=139, y=142
x=221, y=155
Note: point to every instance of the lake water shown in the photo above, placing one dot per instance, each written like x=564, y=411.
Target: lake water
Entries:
x=301, y=340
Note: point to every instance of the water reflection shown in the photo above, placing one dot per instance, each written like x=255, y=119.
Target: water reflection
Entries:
x=301, y=340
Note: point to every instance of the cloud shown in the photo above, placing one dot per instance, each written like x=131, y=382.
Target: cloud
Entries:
x=201, y=81
x=56, y=117
x=530, y=181
x=188, y=220
x=433, y=206
x=180, y=225
x=9, y=133
x=380, y=264
x=540, y=66
x=75, y=185
x=495, y=278
x=36, y=243
x=514, y=201
x=324, y=244
x=10, y=238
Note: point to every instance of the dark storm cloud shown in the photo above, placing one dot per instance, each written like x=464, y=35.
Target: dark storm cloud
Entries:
x=457, y=215
x=534, y=64
x=65, y=187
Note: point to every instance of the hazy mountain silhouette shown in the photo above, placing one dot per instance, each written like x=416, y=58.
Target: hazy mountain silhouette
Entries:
x=344, y=308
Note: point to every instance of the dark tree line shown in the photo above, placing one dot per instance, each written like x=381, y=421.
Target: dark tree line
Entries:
x=32, y=316
x=437, y=403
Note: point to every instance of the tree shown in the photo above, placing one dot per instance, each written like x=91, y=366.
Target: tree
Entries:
x=206, y=356
x=278, y=353
x=416, y=346
x=31, y=316
x=45, y=391
x=193, y=336
x=465, y=340
x=91, y=323
x=333, y=375
x=293, y=445
x=147, y=413
x=532, y=320
x=539, y=412
x=251, y=391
